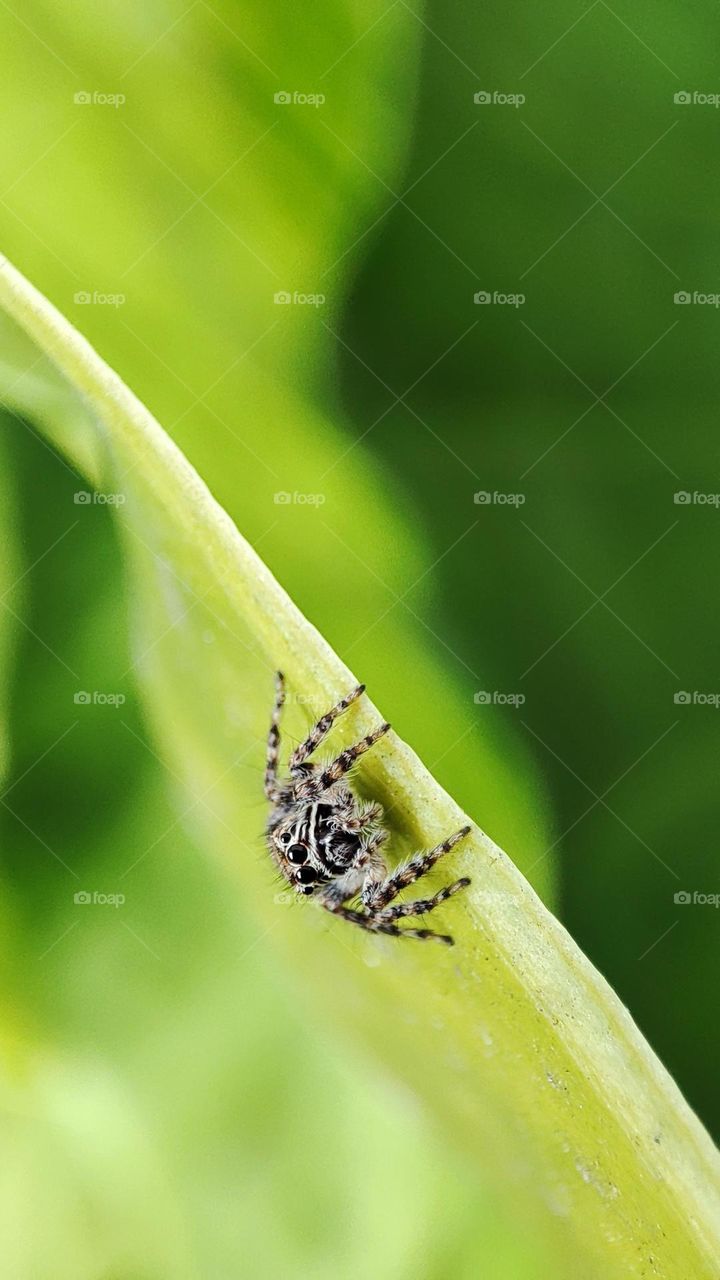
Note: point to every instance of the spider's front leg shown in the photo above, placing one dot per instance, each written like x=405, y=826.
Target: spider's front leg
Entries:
x=345, y=761
x=315, y=781
x=320, y=730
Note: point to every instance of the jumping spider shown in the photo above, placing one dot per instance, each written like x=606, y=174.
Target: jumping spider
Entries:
x=326, y=843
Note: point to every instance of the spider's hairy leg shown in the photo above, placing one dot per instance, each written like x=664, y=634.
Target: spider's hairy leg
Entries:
x=375, y=924
x=273, y=739
x=322, y=728
x=422, y=905
x=345, y=761
x=378, y=895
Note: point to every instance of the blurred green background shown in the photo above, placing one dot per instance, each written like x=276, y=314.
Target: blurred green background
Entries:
x=170, y=1108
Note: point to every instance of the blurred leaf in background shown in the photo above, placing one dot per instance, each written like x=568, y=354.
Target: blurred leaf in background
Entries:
x=596, y=399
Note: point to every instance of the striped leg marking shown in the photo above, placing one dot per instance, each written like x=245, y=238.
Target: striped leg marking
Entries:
x=322, y=728
x=422, y=905
x=373, y=924
x=273, y=739
x=345, y=761
x=378, y=896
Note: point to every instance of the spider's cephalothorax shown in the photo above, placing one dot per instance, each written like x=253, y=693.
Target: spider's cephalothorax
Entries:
x=327, y=844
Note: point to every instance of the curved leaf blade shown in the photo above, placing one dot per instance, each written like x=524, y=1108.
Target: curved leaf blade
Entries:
x=522, y=1048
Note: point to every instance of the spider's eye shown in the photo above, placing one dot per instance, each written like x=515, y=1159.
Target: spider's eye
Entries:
x=297, y=853
x=306, y=875
x=285, y=837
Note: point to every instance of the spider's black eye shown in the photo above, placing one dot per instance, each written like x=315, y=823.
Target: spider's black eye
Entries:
x=306, y=875
x=297, y=853
x=284, y=838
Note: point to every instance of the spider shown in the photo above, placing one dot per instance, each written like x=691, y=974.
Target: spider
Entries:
x=327, y=844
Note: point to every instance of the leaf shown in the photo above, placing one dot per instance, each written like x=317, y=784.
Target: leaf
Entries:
x=524, y=1052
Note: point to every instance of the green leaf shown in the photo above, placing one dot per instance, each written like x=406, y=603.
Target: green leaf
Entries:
x=526, y=1055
